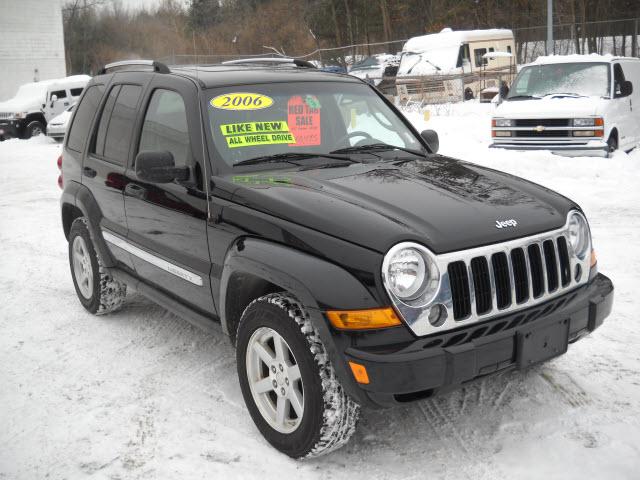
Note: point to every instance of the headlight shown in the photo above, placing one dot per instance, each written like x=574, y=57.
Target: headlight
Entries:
x=410, y=273
x=503, y=122
x=579, y=236
x=20, y=115
x=587, y=122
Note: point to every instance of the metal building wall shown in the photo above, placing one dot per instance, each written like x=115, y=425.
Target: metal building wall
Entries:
x=31, y=43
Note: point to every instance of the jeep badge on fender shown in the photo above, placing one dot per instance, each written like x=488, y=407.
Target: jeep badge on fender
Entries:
x=300, y=212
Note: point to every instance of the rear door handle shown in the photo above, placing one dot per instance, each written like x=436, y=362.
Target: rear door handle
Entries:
x=134, y=190
x=89, y=172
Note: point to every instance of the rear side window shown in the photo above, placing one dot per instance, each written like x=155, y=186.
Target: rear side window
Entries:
x=83, y=116
x=116, y=123
x=165, y=127
x=98, y=147
x=478, y=53
x=76, y=92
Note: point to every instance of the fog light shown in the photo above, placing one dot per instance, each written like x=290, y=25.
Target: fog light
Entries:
x=584, y=133
x=437, y=315
x=502, y=133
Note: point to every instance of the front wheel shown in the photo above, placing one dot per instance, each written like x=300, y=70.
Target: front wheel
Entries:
x=612, y=143
x=34, y=129
x=288, y=382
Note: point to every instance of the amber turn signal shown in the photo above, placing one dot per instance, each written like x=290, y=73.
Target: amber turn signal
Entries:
x=594, y=258
x=363, y=319
x=359, y=373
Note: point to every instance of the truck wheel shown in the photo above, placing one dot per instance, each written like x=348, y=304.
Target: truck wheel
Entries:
x=34, y=129
x=288, y=382
x=612, y=143
x=98, y=291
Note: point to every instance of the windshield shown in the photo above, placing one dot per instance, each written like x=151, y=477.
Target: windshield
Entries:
x=251, y=121
x=584, y=79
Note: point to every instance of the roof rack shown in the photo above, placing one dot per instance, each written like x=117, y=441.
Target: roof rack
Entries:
x=267, y=61
x=131, y=64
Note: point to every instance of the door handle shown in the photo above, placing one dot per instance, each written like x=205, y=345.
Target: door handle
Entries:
x=134, y=190
x=89, y=172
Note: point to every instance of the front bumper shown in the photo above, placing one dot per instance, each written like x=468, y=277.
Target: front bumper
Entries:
x=439, y=362
x=591, y=149
x=55, y=131
x=11, y=129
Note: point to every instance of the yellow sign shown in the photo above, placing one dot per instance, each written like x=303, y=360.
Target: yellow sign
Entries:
x=241, y=101
x=249, y=134
x=427, y=115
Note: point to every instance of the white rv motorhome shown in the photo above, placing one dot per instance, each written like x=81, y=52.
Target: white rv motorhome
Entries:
x=453, y=53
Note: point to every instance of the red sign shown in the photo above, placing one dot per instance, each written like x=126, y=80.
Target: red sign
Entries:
x=304, y=121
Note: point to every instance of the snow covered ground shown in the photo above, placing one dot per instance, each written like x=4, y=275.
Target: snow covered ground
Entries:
x=142, y=394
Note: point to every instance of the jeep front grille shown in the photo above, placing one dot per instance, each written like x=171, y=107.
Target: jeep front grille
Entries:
x=4, y=115
x=482, y=283
x=505, y=278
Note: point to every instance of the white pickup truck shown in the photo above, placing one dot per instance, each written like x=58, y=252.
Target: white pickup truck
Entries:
x=35, y=104
x=574, y=105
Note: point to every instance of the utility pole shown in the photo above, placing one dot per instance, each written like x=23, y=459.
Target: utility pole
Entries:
x=549, y=46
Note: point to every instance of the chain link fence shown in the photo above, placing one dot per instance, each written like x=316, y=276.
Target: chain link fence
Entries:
x=377, y=63
x=615, y=37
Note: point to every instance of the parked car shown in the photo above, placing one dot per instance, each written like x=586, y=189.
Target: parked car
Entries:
x=333, y=69
x=573, y=105
x=299, y=210
x=35, y=104
x=57, y=127
x=374, y=68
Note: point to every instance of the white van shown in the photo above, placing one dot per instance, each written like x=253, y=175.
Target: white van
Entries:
x=573, y=105
x=35, y=104
x=453, y=53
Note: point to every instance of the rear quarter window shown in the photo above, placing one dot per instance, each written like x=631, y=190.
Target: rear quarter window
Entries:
x=84, y=115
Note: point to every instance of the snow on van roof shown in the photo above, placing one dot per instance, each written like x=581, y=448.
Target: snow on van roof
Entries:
x=450, y=38
x=575, y=58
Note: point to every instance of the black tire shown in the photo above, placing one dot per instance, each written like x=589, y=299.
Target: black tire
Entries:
x=106, y=294
x=330, y=416
x=468, y=94
x=612, y=143
x=34, y=129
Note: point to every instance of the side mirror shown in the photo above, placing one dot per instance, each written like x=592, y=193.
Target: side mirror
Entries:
x=431, y=137
x=626, y=88
x=159, y=167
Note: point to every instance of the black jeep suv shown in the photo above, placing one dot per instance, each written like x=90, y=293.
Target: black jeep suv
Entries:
x=347, y=261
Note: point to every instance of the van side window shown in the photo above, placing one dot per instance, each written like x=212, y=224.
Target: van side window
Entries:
x=165, y=127
x=508, y=48
x=83, y=117
x=120, y=128
x=59, y=93
x=478, y=53
x=76, y=92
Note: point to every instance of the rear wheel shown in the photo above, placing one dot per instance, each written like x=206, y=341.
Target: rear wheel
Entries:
x=288, y=382
x=98, y=291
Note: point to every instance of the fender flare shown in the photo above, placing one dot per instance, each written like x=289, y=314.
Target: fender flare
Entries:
x=318, y=284
x=81, y=197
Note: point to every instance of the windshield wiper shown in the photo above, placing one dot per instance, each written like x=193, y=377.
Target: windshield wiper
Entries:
x=286, y=157
x=569, y=94
x=524, y=97
x=378, y=147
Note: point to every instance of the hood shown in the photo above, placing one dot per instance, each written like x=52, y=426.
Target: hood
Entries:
x=21, y=105
x=442, y=203
x=551, y=107
x=61, y=119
